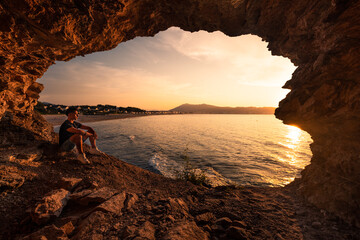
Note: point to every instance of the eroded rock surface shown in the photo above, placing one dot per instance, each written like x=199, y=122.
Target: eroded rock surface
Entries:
x=50, y=206
x=149, y=206
x=320, y=37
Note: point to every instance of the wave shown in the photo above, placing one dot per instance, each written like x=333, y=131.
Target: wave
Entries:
x=170, y=168
x=165, y=166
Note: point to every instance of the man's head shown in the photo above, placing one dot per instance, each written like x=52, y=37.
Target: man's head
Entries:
x=72, y=113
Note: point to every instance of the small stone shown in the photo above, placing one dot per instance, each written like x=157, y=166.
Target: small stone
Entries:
x=316, y=225
x=207, y=228
x=128, y=231
x=68, y=228
x=117, y=226
x=224, y=222
x=240, y=224
x=323, y=212
x=300, y=212
x=335, y=228
x=73, y=219
x=217, y=229
x=205, y=218
x=10, y=180
x=93, y=185
x=96, y=236
x=279, y=237
x=237, y=233
x=170, y=218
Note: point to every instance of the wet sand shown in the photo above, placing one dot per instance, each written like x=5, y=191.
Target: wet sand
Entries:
x=57, y=119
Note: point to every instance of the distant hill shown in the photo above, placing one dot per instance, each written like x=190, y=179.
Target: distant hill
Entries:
x=210, y=109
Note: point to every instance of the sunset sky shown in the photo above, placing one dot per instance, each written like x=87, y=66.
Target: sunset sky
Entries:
x=172, y=68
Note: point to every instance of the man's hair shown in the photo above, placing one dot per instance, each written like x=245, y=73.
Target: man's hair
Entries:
x=70, y=110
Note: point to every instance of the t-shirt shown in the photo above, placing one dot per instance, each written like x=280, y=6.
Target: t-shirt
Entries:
x=65, y=135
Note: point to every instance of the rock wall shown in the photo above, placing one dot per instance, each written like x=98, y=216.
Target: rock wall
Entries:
x=320, y=37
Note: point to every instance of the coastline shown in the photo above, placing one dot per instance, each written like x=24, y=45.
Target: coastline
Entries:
x=57, y=119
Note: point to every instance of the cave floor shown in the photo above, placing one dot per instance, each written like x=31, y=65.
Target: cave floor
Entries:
x=28, y=173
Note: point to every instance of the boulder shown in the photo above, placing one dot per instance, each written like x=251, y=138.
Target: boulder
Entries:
x=79, y=195
x=50, y=206
x=186, y=230
x=47, y=233
x=176, y=206
x=131, y=198
x=114, y=205
x=145, y=232
x=96, y=196
x=69, y=183
x=89, y=227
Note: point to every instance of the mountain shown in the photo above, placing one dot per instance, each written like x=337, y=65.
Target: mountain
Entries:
x=210, y=109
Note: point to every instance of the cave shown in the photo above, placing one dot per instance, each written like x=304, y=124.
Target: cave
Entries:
x=321, y=38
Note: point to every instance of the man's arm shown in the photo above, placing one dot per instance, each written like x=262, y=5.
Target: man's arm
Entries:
x=76, y=130
x=90, y=130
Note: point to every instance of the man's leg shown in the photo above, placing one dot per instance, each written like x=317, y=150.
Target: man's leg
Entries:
x=92, y=141
x=94, y=149
x=78, y=140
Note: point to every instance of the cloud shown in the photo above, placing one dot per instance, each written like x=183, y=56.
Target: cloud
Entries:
x=245, y=59
x=83, y=82
x=212, y=46
x=172, y=65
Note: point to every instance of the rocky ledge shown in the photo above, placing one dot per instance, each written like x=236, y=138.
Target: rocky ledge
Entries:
x=45, y=195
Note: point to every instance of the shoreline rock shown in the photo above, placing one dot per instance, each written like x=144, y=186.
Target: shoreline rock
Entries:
x=116, y=200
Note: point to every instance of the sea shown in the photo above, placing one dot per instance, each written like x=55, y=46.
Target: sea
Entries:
x=243, y=149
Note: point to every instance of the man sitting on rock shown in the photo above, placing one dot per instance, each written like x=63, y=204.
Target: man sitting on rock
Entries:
x=71, y=135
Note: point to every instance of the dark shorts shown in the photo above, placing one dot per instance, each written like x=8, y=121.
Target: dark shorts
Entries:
x=67, y=146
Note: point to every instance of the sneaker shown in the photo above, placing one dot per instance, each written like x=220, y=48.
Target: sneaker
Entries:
x=74, y=152
x=95, y=151
x=82, y=158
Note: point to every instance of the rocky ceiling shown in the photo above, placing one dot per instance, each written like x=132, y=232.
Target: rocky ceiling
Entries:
x=320, y=37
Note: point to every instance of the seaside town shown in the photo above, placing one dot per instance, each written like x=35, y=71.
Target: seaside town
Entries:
x=100, y=109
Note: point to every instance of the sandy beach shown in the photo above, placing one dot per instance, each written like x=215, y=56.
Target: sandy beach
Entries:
x=57, y=119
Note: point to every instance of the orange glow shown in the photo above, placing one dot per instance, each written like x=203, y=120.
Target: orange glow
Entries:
x=170, y=69
x=293, y=136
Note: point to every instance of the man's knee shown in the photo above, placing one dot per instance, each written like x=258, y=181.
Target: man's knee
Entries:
x=76, y=138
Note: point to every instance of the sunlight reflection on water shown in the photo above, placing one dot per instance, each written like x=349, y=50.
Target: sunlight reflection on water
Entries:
x=256, y=150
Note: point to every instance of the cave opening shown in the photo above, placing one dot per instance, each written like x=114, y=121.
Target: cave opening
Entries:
x=176, y=67
x=320, y=37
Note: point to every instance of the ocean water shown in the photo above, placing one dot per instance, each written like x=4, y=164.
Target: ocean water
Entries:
x=256, y=150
